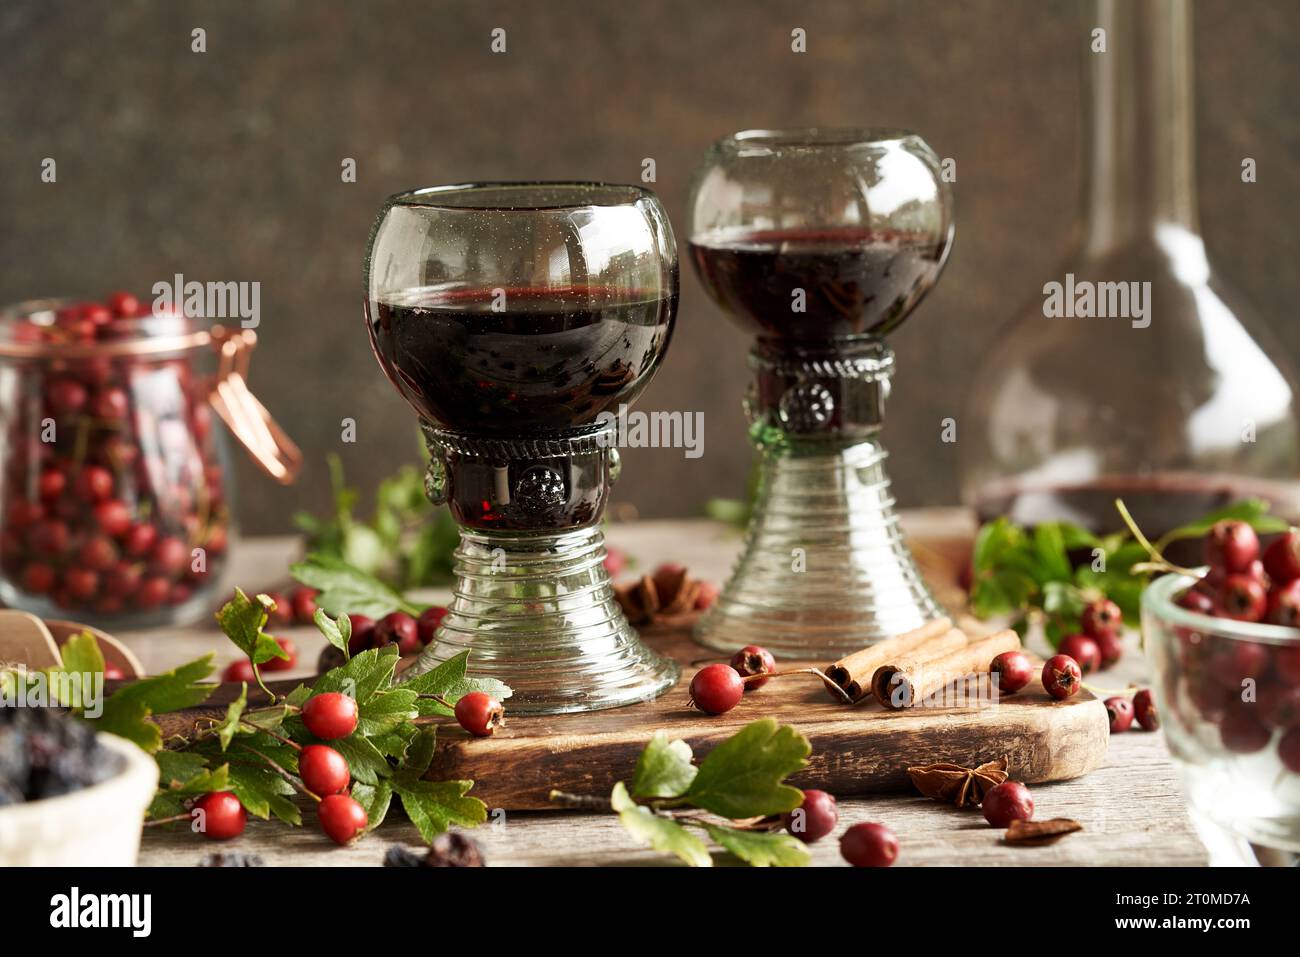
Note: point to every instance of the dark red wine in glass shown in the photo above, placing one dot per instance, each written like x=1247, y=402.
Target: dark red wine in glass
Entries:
x=515, y=361
x=817, y=284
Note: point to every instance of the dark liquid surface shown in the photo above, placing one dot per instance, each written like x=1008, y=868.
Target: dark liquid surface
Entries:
x=1158, y=503
x=551, y=360
x=854, y=280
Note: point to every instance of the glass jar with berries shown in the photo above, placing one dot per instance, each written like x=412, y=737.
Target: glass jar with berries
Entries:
x=115, y=505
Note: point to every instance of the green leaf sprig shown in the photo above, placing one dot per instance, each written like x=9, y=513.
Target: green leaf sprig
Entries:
x=731, y=797
x=1028, y=575
x=253, y=752
x=407, y=543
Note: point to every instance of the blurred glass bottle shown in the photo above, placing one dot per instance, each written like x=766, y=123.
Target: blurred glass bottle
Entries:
x=1173, y=405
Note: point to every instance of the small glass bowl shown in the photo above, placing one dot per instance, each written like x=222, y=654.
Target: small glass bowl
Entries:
x=1229, y=699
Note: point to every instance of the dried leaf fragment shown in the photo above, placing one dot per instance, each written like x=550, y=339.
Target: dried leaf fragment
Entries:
x=962, y=787
x=1037, y=833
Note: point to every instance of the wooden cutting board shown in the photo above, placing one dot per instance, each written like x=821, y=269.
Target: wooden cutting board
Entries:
x=855, y=750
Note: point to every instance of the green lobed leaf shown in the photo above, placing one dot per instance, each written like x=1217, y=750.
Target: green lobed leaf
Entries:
x=375, y=799
x=385, y=711
x=761, y=848
x=337, y=631
x=362, y=677
x=664, y=769
x=433, y=806
x=234, y=711
x=81, y=655
x=126, y=712
x=419, y=752
x=263, y=793
x=743, y=776
x=242, y=620
x=344, y=589
x=449, y=681
x=1049, y=546
x=368, y=765
x=658, y=832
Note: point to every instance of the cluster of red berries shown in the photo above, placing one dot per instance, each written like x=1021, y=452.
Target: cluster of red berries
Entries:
x=103, y=512
x=1062, y=678
x=1218, y=671
x=324, y=773
x=1098, y=643
x=408, y=633
x=863, y=845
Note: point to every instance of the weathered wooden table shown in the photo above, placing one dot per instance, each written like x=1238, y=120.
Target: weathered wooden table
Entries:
x=1132, y=808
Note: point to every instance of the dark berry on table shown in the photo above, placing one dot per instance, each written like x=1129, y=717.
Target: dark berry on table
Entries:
x=323, y=770
x=1241, y=729
x=1231, y=546
x=303, y=602
x=329, y=659
x=1111, y=649
x=1288, y=749
x=1120, y=710
x=1144, y=710
x=1013, y=669
x=428, y=622
x=1083, y=650
x=814, y=819
x=241, y=670
x=1282, y=557
x=363, y=633
x=1243, y=598
x=706, y=596
x=1284, y=605
x=219, y=816
x=341, y=818
x=454, y=849
x=283, y=664
x=753, y=660
x=480, y=714
x=869, y=845
x=1007, y=802
x=1061, y=676
x=716, y=689
x=231, y=859
x=397, y=628
x=1101, y=617
x=399, y=856
x=330, y=715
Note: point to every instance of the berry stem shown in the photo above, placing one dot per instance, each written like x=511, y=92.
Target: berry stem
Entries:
x=1158, y=561
x=279, y=737
x=174, y=819
x=280, y=771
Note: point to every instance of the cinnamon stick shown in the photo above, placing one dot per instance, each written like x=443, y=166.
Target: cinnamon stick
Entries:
x=904, y=682
x=853, y=672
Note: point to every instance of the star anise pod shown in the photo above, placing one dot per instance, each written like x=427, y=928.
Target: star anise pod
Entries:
x=963, y=787
x=671, y=591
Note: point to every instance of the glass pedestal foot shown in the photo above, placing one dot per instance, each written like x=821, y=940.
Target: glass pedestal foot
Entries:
x=537, y=611
x=824, y=569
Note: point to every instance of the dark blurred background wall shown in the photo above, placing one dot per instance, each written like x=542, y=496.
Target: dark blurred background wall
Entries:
x=225, y=165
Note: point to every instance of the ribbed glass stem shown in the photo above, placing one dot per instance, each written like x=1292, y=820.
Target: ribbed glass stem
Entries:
x=537, y=611
x=825, y=569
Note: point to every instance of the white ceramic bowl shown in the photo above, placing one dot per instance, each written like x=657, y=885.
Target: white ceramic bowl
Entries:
x=98, y=826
